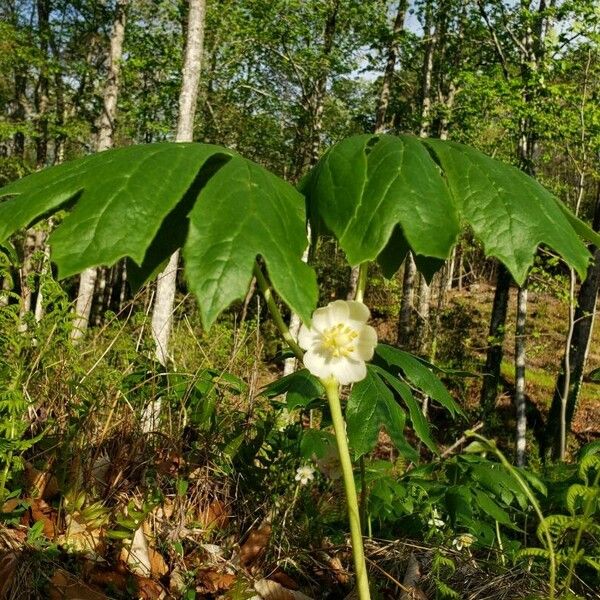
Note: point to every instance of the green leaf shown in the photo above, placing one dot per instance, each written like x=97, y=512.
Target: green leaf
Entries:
x=417, y=418
x=458, y=503
x=301, y=388
x=589, y=466
x=509, y=212
x=244, y=212
x=135, y=202
x=577, y=496
x=419, y=376
x=316, y=443
x=370, y=407
x=534, y=481
x=381, y=195
x=367, y=186
x=489, y=507
x=121, y=198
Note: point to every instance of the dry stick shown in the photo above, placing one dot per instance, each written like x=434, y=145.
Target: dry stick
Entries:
x=460, y=441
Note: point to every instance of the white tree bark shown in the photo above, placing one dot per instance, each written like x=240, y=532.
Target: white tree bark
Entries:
x=106, y=129
x=39, y=301
x=290, y=364
x=520, y=404
x=162, y=313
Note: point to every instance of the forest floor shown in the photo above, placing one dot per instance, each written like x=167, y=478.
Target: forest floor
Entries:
x=234, y=528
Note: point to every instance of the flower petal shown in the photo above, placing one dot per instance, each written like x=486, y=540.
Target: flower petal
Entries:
x=349, y=371
x=307, y=337
x=321, y=318
x=367, y=340
x=358, y=311
x=316, y=364
x=339, y=311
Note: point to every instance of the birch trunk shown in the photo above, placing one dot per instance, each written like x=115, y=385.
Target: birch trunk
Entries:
x=430, y=39
x=520, y=404
x=423, y=311
x=38, y=312
x=105, y=140
x=162, y=313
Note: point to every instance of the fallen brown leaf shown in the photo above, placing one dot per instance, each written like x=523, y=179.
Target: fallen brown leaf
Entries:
x=8, y=567
x=148, y=589
x=341, y=575
x=40, y=484
x=255, y=545
x=64, y=586
x=284, y=579
x=106, y=577
x=209, y=580
x=213, y=515
x=41, y=511
x=271, y=590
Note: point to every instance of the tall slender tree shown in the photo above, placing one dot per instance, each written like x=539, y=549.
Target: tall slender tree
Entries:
x=162, y=313
x=105, y=140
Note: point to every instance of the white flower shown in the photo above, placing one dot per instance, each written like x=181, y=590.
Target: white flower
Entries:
x=305, y=474
x=436, y=520
x=464, y=540
x=339, y=341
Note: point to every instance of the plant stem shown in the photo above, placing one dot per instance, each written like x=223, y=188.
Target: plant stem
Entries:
x=359, y=295
x=531, y=497
x=361, y=285
x=265, y=288
x=362, y=582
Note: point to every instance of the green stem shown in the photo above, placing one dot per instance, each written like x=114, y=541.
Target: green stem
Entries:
x=362, y=582
x=359, y=295
x=531, y=497
x=265, y=288
x=361, y=284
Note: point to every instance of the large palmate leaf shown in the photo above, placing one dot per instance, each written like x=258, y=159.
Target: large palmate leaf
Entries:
x=370, y=407
x=135, y=202
x=382, y=195
x=368, y=187
x=245, y=211
x=510, y=212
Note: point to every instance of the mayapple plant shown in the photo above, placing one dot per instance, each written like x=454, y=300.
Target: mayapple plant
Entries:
x=381, y=196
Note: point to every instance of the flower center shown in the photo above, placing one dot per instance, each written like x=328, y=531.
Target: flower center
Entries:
x=338, y=340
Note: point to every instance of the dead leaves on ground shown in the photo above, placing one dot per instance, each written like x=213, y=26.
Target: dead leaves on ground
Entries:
x=256, y=544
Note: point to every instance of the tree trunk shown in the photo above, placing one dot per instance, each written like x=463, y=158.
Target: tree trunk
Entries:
x=496, y=339
x=162, y=313
x=309, y=146
x=406, y=302
x=430, y=39
x=381, y=123
x=41, y=90
x=570, y=378
x=520, y=404
x=105, y=140
x=423, y=310
x=422, y=320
